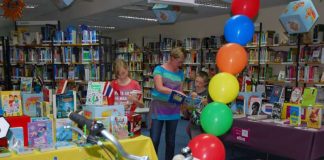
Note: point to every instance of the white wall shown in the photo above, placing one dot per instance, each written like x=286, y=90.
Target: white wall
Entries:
x=208, y=26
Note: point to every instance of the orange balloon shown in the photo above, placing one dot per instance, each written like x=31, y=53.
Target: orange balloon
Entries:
x=231, y=58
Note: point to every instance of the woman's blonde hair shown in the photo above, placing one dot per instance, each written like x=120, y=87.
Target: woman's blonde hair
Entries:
x=178, y=52
x=119, y=63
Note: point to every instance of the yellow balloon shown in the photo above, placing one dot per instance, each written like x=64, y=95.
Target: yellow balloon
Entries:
x=223, y=87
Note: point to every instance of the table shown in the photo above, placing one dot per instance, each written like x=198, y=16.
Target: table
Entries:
x=140, y=146
x=277, y=139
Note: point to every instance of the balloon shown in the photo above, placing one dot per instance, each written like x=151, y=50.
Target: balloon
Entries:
x=231, y=58
x=216, y=118
x=207, y=147
x=239, y=29
x=223, y=87
x=248, y=8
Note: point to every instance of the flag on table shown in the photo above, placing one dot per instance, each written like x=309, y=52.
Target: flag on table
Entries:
x=108, y=89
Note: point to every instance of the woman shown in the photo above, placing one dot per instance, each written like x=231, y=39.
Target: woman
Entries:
x=129, y=91
x=167, y=78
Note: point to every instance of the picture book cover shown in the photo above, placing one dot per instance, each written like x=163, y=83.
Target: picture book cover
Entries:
x=15, y=137
x=296, y=95
x=276, y=111
x=320, y=95
x=176, y=98
x=61, y=86
x=62, y=133
x=285, y=114
x=295, y=115
x=119, y=126
x=63, y=104
x=192, y=103
x=94, y=93
x=314, y=117
x=266, y=108
x=26, y=84
x=32, y=104
x=276, y=94
x=288, y=91
x=309, y=96
x=11, y=103
x=238, y=107
x=254, y=106
x=268, y=91
x=40, y=133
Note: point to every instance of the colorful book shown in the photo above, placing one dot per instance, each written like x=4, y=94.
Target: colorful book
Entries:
x=238, y=107
x=63, y=133
x=95, y=93
x=32, y=104
x=63, y=104
x=11, y=103
x=295, y=115
x=276, y=94
x=314, y=117
x=296, y=95
x=119, y=126
x=26, y=84
x=288, y=91
x=40, y=133
x=16, y=138
x=254, y=106
x=309, y=96
x=61, y=86
x=176, y=98
x=266, y=108
x=276, y=111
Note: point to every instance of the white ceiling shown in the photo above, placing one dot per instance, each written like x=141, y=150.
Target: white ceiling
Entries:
x=106, y=12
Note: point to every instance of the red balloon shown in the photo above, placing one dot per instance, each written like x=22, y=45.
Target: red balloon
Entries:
x=231, y=58
x=207, y=147
x=248, y=8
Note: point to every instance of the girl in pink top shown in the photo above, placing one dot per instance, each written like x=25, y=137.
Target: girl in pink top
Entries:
x=129, y=92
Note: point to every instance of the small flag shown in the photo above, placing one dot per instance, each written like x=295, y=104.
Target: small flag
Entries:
x=108, y=89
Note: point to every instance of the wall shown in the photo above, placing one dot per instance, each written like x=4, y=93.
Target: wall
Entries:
x=207, y=26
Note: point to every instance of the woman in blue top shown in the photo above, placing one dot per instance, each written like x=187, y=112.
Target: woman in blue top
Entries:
x=168, y=77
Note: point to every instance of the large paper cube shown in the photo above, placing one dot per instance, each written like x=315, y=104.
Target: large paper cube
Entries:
x=299, y=16
x=166, y=14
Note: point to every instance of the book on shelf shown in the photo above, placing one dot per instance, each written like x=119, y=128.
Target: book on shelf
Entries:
x=26, y=84
x=61, y=87
x=314, y=117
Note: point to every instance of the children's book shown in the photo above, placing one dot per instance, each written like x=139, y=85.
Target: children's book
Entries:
x=119, y=126
x=192, y=103
x=288, y=91
x=63, y=104
x=276, y=94
x=94, y=93
x=61, y=86
x=266, y=108
x=238, y=107
x=176, y=98
x=314, y=117
x=285, y=114
x=254, y=106
x=296, y=95
x=26, y=84
x=32, y=104
x=268, y=91
x=16, y=138
x=276, y=111
x=309, y=96
x=11, y=103
x=295, y=115
x=63, y=133
x=40, y=133
x=320, y=95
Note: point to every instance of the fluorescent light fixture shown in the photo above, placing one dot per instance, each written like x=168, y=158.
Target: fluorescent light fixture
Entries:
x=139, y=18
x=31, y=6
x=212, y=4
x=101, y=27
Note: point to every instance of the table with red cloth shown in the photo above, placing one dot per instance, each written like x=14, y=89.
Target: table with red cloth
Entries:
x=277, y=139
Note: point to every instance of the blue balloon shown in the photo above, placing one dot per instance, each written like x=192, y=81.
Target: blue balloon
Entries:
x=239, y=29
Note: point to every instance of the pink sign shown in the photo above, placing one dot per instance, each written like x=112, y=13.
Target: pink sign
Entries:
x=241, y=134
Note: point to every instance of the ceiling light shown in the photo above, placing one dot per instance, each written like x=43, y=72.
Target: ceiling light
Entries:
x=31, y=6
x=101, y=27
x=139, y=18
x=212, y=3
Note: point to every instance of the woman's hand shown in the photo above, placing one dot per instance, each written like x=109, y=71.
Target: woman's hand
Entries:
x=194, y=94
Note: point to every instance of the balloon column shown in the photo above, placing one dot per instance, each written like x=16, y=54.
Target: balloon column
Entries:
x=217, y=118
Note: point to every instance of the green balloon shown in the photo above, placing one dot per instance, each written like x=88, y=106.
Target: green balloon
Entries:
x=216, y=118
